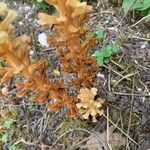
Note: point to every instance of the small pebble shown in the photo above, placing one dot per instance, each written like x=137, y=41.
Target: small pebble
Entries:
x=136, y=61
x=42, y=38
x=14, y=3
x=20, y=23
x=143, y=46
x=143, y=99
x=113, y=81
x=100, y=75
x=31, y=52
x=112, y=28
x=27, y=8
x=26, y=16
x=139, y=89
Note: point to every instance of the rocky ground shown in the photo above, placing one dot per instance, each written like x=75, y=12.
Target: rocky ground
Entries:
x=124, y=84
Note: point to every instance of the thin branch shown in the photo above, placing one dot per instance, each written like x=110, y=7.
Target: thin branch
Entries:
x=120, y=129
x=141, y=20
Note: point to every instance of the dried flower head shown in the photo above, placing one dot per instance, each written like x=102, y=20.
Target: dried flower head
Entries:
x=87, y=105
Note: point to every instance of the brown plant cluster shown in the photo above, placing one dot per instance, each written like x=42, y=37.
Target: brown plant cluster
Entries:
x=69, y=35
x=15, y=50
x=72, y=50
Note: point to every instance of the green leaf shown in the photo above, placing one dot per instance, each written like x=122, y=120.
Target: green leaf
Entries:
x=12, y=147
x=145, y=5
x=106, y=61
x=115, y=49
x=89, y=36
x=97, y=53
x=4, y=138
x=40, y=6
x=8, y=124
x=2, y=63
x=99, y=57
x=131, y=4
x=100, y=61
x=56, y=13
x=33, y=106
x=104, y=56
x=146, y=13
x=107, y=51
x=100, y=35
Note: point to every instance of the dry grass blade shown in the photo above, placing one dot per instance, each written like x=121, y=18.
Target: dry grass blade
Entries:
x=120, y=129
x=126, y=76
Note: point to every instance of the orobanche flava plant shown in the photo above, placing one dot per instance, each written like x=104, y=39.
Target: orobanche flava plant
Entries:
x=15, y=51
x=72, y=49
x=69, y=34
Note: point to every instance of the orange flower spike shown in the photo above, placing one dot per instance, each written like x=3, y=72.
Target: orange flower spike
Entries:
x=15, y=51
x=69, y=32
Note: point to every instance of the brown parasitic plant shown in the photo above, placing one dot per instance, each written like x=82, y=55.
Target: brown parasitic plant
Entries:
x=72, y=49
x=15, y=51
x=69, y=34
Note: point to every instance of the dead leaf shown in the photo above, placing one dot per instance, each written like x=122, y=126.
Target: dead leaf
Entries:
x=98, y=141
